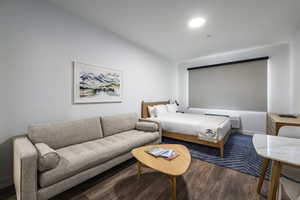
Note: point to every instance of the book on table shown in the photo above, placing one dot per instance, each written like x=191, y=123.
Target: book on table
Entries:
x=168, y=154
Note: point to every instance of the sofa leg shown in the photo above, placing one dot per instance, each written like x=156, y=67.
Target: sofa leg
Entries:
x=222, y=151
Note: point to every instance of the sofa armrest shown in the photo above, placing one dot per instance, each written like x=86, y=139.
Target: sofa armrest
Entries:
x=156, y=122
x=25, y=169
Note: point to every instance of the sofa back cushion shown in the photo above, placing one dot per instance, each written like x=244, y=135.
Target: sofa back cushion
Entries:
x=61, y=134
x=118, y=123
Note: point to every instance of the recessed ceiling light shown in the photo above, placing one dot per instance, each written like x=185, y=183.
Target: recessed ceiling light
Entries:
x=196, y=22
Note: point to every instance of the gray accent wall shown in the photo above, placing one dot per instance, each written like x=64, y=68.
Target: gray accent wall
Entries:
x=240, y=86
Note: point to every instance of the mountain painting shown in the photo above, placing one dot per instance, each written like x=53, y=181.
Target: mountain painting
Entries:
x=94, y=84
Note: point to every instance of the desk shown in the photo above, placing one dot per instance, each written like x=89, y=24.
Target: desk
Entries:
x=274, y=123
x=281, y=151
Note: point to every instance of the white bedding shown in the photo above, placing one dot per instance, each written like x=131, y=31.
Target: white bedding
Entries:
x=193, y=124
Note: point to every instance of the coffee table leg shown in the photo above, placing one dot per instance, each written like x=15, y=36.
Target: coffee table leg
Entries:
x=139, y=169
x=173, y=186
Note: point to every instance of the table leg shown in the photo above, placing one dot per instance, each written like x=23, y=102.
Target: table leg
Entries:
x=173, y=186
x=273, y=184
x=139, y=169
x=262, y=174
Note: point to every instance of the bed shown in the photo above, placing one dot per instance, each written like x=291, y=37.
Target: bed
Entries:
x=188, y=126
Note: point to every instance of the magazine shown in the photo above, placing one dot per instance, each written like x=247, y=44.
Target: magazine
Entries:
x=168, y=154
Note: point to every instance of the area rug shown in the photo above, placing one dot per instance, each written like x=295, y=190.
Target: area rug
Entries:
x=239, y=154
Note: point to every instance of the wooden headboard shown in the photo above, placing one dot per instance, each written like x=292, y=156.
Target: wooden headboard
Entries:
x=144, y=110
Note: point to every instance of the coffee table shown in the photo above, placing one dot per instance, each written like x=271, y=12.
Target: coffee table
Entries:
x=173, y=168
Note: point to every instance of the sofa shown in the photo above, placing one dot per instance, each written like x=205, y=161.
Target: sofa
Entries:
x=54, y=157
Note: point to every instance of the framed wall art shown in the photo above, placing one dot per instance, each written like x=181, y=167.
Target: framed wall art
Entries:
x=95, y=84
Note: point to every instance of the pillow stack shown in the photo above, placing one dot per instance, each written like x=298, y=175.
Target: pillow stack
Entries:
x=157, y=110
x=172, y=108
x=161, y=109
x=152, y=112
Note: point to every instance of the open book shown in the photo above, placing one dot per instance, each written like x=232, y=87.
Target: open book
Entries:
x=168, y=154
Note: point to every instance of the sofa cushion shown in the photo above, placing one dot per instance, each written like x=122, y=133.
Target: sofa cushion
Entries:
x=118, y=123
x=61, y=134
x=133, y=138
x=80, y=157
x=48, y=158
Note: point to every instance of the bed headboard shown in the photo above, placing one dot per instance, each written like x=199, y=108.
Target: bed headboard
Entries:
x=144, y=110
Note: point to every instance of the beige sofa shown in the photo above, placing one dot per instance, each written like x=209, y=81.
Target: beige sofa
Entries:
x=54, y=157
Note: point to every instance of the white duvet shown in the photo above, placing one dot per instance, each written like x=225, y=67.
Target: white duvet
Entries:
x=209, y=128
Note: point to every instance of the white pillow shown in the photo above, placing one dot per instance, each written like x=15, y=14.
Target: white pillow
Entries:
x=172, y=108
x=152, y=111
x=160, y=109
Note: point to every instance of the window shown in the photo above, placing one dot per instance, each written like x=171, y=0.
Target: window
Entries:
x=240, y=85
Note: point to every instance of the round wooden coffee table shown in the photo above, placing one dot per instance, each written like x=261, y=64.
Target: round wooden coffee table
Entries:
x=173, y=168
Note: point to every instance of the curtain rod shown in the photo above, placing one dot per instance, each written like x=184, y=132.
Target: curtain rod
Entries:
x=229, y=63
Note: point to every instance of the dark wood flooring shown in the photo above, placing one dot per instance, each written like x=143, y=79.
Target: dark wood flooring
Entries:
x=202, y=181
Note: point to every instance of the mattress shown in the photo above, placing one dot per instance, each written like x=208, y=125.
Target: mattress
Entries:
x=192, y=124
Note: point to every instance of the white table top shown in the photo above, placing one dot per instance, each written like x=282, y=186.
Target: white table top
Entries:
x=278, y=148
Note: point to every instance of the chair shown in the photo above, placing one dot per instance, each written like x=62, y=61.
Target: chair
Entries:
x=289, y=182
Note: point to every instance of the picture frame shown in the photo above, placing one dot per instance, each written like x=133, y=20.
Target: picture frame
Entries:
x=96, y=84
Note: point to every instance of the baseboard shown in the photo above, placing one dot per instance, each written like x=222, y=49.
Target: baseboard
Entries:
x=248, y=132
x=5, y=182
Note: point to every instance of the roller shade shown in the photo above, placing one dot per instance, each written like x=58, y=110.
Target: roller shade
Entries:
x=231, y=86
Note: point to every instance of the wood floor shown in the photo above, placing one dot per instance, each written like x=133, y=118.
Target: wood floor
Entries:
x=203, y=181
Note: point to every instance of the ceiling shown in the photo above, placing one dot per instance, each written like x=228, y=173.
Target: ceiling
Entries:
x=161, y=25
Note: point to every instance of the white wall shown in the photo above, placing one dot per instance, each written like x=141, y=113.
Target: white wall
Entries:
x=279, y=94
x=38, y=44
x=295, y=72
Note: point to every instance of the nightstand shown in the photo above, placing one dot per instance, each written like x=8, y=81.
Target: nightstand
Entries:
x=275, y=122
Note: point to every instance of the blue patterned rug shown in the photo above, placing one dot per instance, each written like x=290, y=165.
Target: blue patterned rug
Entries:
x=239, y=155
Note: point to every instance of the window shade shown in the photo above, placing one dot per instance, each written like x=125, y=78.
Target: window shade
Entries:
x=238, y=86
